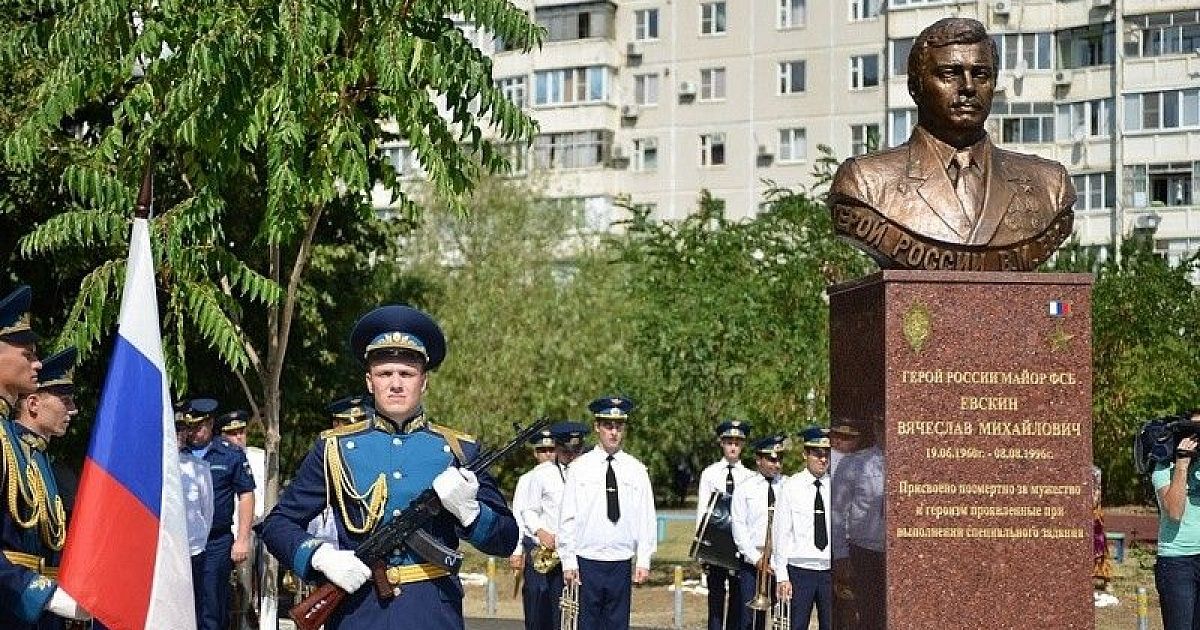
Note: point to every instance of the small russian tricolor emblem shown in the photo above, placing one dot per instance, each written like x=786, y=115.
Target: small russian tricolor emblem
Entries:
x=1059, y=308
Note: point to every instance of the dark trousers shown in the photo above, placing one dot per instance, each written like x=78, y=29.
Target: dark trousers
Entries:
x=868, y=576
x=811, y=588
x=604, y=593
x=1178, y=582
x=724, y=614
x=540, y=595
x=213, y=602
x=197, y=582
x=753, y=619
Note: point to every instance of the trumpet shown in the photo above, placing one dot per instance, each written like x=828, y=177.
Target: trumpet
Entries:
x=544, y=559
x=781, y=615
x=568, y=605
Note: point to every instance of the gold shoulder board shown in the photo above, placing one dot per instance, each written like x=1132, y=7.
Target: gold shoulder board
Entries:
x=347, y=429
x=447, y=432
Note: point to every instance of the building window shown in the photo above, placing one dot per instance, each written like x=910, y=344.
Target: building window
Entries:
x=793, y=145
x=1024, y=51
x=571, y=85
x=1024, y=123
x=1172, y=184
x=863, y=138
x=712, y=84
x=1172, y=109
x=1085, y=119
x=513, y=89
x=900, y=125
x=791, y=13
x=576, y=149
x=712, y=18
x=791, y=77
x=1094, y=191
x=712, y=149
x=645, y=89
x=898, y=52
x=577, y=21
x=645, y=154
x=1091, y=45
x=864, y=71
x=645, y=24
x=864, y=9
x=403, y=160
x=1164, y=34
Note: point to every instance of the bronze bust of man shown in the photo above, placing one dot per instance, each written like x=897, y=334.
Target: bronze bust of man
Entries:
x=949, y=198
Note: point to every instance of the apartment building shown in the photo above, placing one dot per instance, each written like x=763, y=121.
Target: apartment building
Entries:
x=655, y=100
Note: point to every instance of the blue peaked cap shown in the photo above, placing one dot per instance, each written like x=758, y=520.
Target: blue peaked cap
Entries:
x=397, y=329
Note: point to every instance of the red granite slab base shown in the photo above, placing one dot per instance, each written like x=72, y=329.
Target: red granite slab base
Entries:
x=978, y=387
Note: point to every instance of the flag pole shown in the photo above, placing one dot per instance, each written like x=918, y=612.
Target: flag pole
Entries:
x=145, y=198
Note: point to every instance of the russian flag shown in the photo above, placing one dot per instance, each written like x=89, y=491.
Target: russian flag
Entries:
x=127, y=559
x=1059, y=308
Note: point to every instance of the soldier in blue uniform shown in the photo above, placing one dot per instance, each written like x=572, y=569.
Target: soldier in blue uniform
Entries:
x=233, y=486
x=32, y=517
x=371, y=470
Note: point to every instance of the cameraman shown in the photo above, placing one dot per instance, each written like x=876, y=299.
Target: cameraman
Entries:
x=1177, y=571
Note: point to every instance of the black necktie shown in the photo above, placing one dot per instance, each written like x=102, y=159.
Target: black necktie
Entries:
x=770, y=494
x=820, y=536
x=610, y=491
x=729, y=480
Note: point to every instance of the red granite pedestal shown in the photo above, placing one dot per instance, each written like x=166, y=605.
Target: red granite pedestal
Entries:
x=973, y=509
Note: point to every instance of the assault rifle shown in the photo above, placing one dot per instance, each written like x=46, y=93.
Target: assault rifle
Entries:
x=405, y=529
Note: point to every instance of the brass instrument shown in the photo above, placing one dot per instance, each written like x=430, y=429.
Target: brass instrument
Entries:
x=568, y=605
x=762, y=589
x=544, y=559
x=781, y=615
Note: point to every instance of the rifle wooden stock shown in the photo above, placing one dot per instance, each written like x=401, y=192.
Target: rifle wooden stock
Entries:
x=383, y=588
x=311, y=613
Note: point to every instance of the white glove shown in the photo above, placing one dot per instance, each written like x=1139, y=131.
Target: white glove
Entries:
x=341, y=566
x=457, y=487
x=66, y=607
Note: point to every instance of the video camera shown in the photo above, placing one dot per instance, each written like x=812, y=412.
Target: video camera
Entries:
x=1158, y=440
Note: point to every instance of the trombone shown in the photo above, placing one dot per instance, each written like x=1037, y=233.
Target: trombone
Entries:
x=568, y=606
x=781, y=615
x=762, y=590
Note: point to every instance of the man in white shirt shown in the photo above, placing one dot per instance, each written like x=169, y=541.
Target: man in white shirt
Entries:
x=196, y=478
x=538, y=513
x=607, y=520
x=535, y=593
x=844, y=438
x=858, y=534
x=800, y=555
x=751, y=510
x=725, y=600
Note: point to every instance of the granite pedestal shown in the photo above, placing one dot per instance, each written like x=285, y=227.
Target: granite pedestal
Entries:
x=973, y=507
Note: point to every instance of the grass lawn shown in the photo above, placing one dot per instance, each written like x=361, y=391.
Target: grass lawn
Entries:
x=653, y=604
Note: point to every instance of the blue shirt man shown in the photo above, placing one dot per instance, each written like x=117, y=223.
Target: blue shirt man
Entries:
x=371, y=470
x=232, y=485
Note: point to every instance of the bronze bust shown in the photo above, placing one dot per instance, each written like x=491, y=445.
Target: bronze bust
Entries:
x=948, y=198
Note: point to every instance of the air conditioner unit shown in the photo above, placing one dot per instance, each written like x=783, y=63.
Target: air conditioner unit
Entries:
x=1101, y=4
x=618, y=153
x=633, y=49
x=1062, y=78
x=764, y=151
x=629, y=111
x=1001, y=7
x=687, y=88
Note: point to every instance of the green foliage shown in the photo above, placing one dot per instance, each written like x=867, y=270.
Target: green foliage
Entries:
x=730, y=319
x=1145, y=349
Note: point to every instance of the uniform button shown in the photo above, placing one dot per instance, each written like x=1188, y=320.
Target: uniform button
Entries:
x=396, y=551
x=397, y=441
x=445, y=448
x=396, y=592
x=396, y=512
x=396, y=475
x=350, y=444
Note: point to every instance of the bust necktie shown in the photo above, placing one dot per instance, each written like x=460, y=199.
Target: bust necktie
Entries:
x=968, y=183
x=610, y=492
x=820, y=536
x=729, y=479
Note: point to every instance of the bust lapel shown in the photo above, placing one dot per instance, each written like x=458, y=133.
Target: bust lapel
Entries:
x=997, y=198
x=935, y=188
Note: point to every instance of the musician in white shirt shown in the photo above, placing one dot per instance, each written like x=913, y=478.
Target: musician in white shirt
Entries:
x=753, y=503
x=607, y=520
x=801, y=547
x=725, y=599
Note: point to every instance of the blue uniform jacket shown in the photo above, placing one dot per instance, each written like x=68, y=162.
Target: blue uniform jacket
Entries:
x=23, y=593
x=231, y=478
x=407, y=460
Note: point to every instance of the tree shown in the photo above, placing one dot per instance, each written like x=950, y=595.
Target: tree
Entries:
x=731, y=319
x=1145, y=349
x=260, y=120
